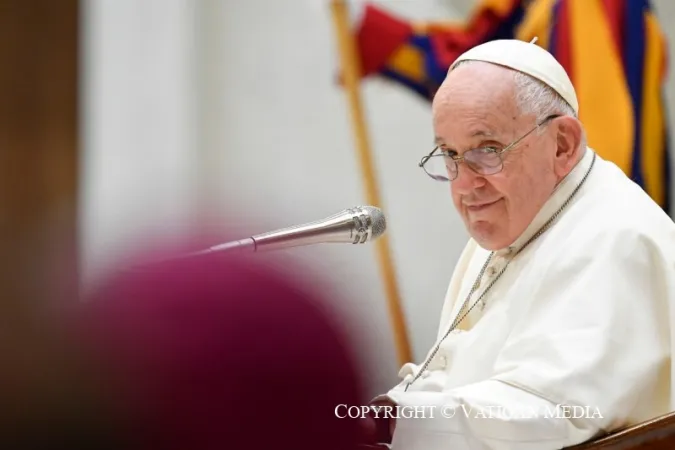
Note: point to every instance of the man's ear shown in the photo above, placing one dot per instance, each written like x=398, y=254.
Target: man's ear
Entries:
x=568, y=144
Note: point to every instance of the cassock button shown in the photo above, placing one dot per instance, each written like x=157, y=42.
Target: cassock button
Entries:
x=491, y=271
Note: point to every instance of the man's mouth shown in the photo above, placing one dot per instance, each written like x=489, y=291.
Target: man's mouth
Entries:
x=473, y=207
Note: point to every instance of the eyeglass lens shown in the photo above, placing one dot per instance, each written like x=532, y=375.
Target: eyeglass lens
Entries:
x=485, y=161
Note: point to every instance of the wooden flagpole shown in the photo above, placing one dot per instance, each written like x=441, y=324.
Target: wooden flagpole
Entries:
x=351, y=73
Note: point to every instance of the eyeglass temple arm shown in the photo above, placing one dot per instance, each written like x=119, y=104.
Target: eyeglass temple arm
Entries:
x=427, y=157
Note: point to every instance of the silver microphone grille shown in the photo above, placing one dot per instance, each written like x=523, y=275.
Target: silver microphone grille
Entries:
x=378, y=221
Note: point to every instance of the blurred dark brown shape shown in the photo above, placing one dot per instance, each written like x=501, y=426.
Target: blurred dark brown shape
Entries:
x=39, y=392
x=39, y=67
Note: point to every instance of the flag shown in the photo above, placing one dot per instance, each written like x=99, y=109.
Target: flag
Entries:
x=613, y=50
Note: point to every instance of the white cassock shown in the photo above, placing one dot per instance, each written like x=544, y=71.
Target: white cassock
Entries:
x=581, y=318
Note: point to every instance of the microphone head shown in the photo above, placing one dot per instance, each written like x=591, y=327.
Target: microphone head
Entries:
x=378, y=223
x=356, y=225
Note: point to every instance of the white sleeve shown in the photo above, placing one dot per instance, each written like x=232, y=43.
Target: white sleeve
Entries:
x=487, y=415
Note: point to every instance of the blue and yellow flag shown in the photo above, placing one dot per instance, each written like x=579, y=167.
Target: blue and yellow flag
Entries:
x=613, y=50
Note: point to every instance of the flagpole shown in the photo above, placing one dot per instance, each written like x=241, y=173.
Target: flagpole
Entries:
x=352, y=80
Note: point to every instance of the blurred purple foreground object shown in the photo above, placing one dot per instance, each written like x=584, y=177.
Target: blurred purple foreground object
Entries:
x=223, y=353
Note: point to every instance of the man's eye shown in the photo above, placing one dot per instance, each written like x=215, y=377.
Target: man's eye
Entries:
x=450, y=153
x=488, y=150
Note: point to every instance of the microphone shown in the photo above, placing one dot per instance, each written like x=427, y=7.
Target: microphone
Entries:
x=356, y=225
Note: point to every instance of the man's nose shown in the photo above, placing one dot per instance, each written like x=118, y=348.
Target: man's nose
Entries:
x=467, y=180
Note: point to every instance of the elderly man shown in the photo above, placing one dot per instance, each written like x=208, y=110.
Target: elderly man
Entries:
x=557, y=322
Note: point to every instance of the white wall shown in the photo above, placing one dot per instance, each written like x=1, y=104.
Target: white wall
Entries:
x=138, y=119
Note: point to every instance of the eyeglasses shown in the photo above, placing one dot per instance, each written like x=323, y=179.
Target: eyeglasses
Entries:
x=444, y=166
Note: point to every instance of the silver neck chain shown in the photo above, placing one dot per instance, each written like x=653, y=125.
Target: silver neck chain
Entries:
x=462, y=314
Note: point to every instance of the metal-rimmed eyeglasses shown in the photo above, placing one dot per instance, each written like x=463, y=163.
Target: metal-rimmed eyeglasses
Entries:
x=443, y=165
